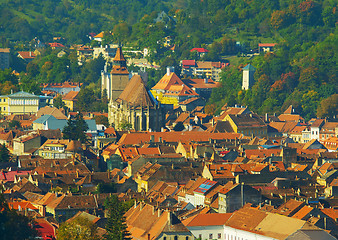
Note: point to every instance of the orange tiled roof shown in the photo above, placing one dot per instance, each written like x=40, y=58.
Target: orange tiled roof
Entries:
x=142, y=137
x=26, y=54
x=201, y=83
x=290, y=118
x=210, y=219
x=136, y=93
x=71, y=96
x=166, y=82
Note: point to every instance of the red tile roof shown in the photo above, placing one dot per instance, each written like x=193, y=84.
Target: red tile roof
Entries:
x=56, y=45
x=188, y=62
x=267, y=44
x=200, y=50
x=26, y=54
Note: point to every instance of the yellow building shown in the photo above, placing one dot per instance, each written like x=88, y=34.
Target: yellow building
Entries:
x=171, y=89
x=70, y=99
x=21, y=103
x=59, y=149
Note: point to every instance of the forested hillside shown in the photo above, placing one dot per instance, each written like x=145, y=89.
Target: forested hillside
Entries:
x=302, y=71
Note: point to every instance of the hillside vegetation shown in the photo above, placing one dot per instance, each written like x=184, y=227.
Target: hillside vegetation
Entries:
x=302, y=71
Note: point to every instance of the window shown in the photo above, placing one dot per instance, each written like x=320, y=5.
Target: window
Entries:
x=164, y=238
x=219, y=235
x=200, y=236
x=4, y=108
x=210, y=236
x=175, y=238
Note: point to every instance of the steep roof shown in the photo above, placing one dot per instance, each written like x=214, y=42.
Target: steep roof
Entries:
x=50, y=111
x=249, y=67
x=290, y=110
x=180, y=90
x=44, y=118
x=201, y=83
x=167, y=80
x=136, y=93
x=247, y=120
x=119, y=55
x=26, y=54
x=72, y=95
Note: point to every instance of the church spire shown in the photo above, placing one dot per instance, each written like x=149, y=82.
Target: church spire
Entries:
x=120, y=63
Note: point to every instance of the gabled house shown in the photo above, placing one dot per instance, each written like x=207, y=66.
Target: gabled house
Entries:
x=200, y=51
x=201, y=191
x=145, y=222
x=290, y=115
x=208, y=226
x=171, y=89
x=26, y=144
x=233, y=196
x=247, y=124
x=62, y=88
x=26, y=55
x=70, y=99
x=266, y=47
x=66, y=206
x=315, y=128
x=147, y=176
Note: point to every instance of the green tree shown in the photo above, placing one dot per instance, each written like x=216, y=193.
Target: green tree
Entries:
x=106, y=188
x=328, y=107
x=14, y=124
x=58, y=103
x=85, y=99
x=80, y=228
x=14, y=226
x=116, y=226
x=76, y=129
x=125, y=125
x=101, y=119
x=4, y=153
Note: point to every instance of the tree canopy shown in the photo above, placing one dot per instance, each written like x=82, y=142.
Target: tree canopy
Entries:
x=76, y=129
x=79, y=228
x=14, y=226
x=116, y=226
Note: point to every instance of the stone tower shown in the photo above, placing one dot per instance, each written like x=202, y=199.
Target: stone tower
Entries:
x=115, y=82
x=248, y=76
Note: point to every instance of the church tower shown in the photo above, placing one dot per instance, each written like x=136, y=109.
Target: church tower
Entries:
x=248, y=76
x=115, y=82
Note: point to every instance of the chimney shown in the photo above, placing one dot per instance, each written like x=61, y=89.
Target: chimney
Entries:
x=266, y=117
x=170, y=70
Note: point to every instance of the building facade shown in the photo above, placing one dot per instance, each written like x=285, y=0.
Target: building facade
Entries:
x=136, y=106
x=22, y=102
x=4, y=58
x=115, y=81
